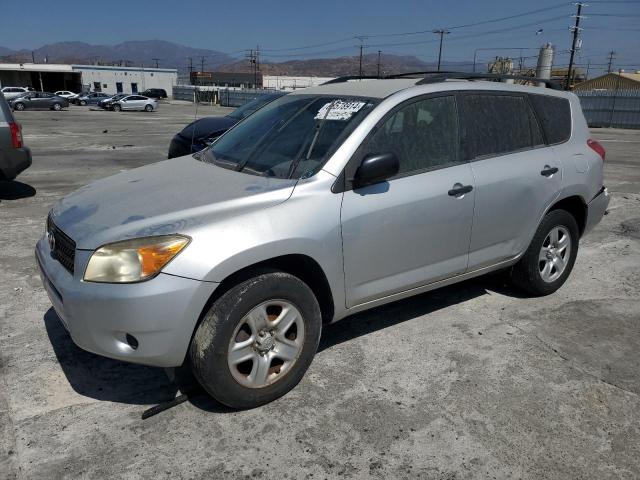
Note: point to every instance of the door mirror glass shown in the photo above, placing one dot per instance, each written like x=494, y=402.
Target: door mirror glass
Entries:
x=376, y=168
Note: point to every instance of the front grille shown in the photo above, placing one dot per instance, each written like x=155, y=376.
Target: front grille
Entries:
x=64, y=249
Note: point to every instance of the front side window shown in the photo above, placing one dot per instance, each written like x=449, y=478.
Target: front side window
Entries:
x=290, y=137
x=498, y=124
x=423, y=135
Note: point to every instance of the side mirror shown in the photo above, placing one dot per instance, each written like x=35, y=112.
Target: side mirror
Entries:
x=376, y=168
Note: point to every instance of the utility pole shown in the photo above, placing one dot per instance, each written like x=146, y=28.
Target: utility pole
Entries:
x=202, y=59
x=442, y=33
x=611, y=59
x=361, y=47
x=254, y=58
x=156, y=60
x=33, y=57
x=576, y=31
x=379, y=52
x=190, y=70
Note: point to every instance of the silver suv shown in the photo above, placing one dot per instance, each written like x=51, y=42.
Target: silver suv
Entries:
x=14, y=156
x=328, y=201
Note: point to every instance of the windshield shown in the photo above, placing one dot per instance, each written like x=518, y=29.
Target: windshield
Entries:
x=291, y=137
x=250, y=107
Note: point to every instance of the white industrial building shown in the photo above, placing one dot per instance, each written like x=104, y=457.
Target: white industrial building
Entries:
x=282, y=82
x=50, y=77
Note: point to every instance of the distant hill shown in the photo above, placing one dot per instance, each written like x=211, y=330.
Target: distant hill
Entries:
x=332, y=67
x=172, y=55
x=136, y=53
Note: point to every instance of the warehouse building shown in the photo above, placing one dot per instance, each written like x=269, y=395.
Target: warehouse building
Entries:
x=612, y=81
x=50, y=77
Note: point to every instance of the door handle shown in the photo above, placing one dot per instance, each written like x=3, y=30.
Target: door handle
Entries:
x=459, y=190
x=548, y=171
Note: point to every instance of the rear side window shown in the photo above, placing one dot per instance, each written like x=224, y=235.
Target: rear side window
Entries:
x=555, y=115
x=498, y=124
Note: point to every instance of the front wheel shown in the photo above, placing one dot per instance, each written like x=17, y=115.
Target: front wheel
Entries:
x=18, y=106
x=548, y=261
x=83, y=103
x=57, y=107
x=116, y=108
x=257, y=340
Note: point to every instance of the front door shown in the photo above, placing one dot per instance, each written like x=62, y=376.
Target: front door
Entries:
x=517, y=177
x=415, y=228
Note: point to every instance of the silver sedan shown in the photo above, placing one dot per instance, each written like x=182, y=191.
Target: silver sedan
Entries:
x=135, y=102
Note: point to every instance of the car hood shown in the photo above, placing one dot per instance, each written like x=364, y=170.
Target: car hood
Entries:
x=205, y=127
x=173, y=196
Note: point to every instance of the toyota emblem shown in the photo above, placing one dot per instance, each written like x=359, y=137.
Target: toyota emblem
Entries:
x=52, y=241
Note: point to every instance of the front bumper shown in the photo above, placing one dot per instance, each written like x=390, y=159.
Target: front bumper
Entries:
x=596, y=209
x=160, y=313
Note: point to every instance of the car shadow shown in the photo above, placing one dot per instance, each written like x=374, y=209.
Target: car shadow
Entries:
x=102, y=378
x=14, y=190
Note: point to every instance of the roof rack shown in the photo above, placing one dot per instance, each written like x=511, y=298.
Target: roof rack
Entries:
x=346, y=78
x=441, y=76
x=496, y=77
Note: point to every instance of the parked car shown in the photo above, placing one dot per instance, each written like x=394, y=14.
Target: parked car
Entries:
x=328, y=201
x=65, y=94
x=106, y=102
x=39, y=101
x=135, y=102
x=12, y=92
x=200, y=133
x=155, y=93
x=89, y=98
x=14, y=156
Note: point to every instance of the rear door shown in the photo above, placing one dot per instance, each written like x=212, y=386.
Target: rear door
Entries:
x=517, y=177
x=411, y=230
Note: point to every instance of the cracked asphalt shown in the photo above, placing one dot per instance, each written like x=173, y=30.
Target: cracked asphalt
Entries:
x=470, y=381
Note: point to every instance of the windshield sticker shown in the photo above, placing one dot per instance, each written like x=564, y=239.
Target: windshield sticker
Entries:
x=339, y=110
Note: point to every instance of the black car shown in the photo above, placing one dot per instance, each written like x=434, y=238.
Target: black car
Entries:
x=197, y=135
x=154, y=93
x=106, y=102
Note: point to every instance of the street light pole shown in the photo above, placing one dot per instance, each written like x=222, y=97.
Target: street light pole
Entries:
x=442, y=33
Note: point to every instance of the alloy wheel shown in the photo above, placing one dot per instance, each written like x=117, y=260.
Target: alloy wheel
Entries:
x=554, y=254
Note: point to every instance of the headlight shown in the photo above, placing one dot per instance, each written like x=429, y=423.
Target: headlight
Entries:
x=133, y=260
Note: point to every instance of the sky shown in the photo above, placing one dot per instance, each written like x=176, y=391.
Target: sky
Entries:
x=282, y=27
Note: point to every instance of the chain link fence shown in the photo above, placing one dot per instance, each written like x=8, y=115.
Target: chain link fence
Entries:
x=225, y=97
x=611, y=108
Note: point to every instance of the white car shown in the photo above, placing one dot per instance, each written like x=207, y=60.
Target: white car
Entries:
x=13, y=92
x=65, y=94
x=135, y=102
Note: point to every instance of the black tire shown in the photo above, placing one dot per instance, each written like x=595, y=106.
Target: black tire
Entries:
x=209, y=348
x=116, y=107
x=18, y=106
x=526, y=273
x=148, y=108
x=56, y=106
x=83, y=103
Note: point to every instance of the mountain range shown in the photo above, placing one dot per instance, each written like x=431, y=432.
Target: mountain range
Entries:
x=172, y=55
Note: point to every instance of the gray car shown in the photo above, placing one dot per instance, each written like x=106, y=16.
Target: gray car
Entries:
x=135, y=102
x=14, y=156
x=328, y=201
x=39, y=101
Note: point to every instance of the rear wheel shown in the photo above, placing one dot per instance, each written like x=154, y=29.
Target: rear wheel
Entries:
x=148, y=108
x=116, y=107
x=548, y=261
x=83, y=102
x=257, y=340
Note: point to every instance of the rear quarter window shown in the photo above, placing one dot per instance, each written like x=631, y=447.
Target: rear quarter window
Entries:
x=554, y=114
